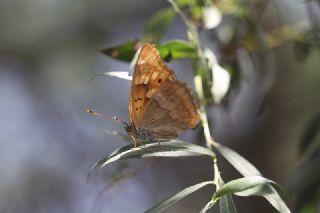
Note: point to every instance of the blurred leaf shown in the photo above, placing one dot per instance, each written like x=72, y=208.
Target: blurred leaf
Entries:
x=309, y=207
x=247, y=169
x=172, y=200
x=172, y=148
x=306, y=175
x=157, y=25
x=304, y=180
x=203, y=81
x=309, y=41
x=221, y=77
x=241, y=184
x=124, y=51
x=118, y=74
x=182, y=3
x=238, y=9
x=310, y=132
x=176, y=49
x=211, y=16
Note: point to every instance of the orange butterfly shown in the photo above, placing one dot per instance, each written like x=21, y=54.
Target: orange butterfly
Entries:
x=160, y=106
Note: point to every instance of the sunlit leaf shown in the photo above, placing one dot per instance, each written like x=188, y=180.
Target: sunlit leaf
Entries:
x=124, y=51
x=172, y=200
x=157, y=25
x=118, y=74
x=221, y=77
x=176, y=49
x=211, y=16
x=173, y=148
x=241, y=184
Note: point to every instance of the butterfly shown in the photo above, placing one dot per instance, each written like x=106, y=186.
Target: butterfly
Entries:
x=160, y=106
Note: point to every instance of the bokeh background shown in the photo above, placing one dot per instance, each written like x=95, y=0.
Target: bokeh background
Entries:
x=48, y=51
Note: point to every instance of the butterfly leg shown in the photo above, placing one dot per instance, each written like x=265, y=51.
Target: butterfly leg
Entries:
x=134, y=141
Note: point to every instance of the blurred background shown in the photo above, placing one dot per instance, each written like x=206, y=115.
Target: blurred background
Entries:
x=48, y=51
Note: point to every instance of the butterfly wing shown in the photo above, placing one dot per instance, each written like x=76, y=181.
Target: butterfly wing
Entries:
x=171, y=110
x=148, y=76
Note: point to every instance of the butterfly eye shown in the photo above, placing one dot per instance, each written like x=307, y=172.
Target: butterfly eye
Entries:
x=159, y=80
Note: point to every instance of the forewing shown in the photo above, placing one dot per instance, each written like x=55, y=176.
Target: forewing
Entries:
x=148, y=76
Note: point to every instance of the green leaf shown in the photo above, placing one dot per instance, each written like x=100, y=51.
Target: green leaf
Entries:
x=172, y=148
x=241, y=184
x=270, y=194
x=226, y=203
x=158, y=24
x=176, y=49
x=171, y=50
x=172, y=200
x=247, y=169
x=124, y=51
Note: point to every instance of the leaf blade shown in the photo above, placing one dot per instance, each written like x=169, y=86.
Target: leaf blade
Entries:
x=247, y=169
x=175, y=198
x=124, y=51
x=241, y=184
x=157, y=25
x=172, y=148
x=176, y=50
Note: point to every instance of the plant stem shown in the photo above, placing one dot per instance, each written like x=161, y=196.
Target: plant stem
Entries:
x=194, y=39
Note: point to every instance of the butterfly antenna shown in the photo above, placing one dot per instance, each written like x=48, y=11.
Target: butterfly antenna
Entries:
x=108, y=118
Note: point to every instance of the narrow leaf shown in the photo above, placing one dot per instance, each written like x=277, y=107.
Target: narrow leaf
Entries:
x=172, y=200
x=124, y=51
x=207, y=207
x=241, y=184
x=247, y=169
x=226, y=203
x=158, y=24
x=270, y=194
x=176, y=49
x=173, y=148
x=119, y=74
x=237, y=161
